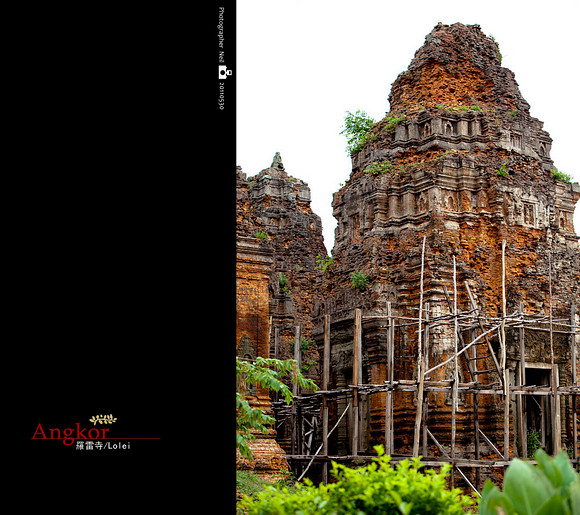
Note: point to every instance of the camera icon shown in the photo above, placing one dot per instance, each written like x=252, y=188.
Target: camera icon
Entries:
x=224, y=72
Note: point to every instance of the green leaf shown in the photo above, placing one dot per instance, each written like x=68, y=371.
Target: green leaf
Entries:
x=492, y=499
x=552, y=506
x=549, y=467
x=569, y=475
x=526, y=488
x=574, y=493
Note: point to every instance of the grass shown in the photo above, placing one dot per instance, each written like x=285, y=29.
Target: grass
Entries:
x=249, y=483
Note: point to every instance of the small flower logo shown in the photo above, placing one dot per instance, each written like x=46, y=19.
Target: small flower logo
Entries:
x=102, y=419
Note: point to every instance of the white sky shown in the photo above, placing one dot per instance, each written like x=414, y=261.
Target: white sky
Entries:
x=302, y=63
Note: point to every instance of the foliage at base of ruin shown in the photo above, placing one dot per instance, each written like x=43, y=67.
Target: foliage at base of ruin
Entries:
x=377, y=487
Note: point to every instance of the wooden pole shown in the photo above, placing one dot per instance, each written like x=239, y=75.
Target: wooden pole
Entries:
x=420, y=364
x=276, y=351
x=389, y=427
x=295, y=389
x=506, y=384
x=455, y=374
x=551, y=328
x=426, y=397
x=269, y=334
x=356, y=378
x=440, y=447
x=503, y=311
x=489, y=346
x=320, y=446
x=520, y=401
x=574, y=383
x=475, y=413
x=325, y=381
x=556, y=426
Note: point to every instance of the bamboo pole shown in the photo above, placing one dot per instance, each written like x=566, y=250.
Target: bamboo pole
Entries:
x=389, y=426
x=321, y=445
x=468, y=346
x=520, y=402
x=574, y=383
x=325, y=381
x=489, y=346
x=420, y=363
x=551, y=323
x=295, y=389
x=276, y=351
x=440, y=447
x=426, y=397
x=476, y=414
x=455, y=375
x=506, y=384
x=556, y=424
x=503, y=312
x=356, y=379
x=269, y=334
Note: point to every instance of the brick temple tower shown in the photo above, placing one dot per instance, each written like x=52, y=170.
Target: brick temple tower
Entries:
x=460, y=161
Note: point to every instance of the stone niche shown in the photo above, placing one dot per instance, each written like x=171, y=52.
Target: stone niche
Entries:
x=459, y=131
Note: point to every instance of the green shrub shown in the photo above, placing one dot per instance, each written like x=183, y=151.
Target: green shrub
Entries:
x=533, y=441
x=305, y=344
x=262, y=235
x=283, y=281
x=377, y=168
x=356, y=129
x=503, y=171
x=359, y=280
x=393, y=122
x=322, y=262
x=560, y=176
x=375, y=488
x=550, y=487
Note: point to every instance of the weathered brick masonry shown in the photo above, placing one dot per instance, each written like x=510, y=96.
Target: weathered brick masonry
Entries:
x=460, y=160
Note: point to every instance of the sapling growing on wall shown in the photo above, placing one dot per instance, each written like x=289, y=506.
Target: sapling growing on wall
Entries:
x=356, y=129
x=359, y=279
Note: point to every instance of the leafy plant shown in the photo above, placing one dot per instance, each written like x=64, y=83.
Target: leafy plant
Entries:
x=283, y=282
x=266, y=373
x=550, y=487
x=393, y=122
x=305, y=344
x=533, y=441
x=322, y=262
x=356, y=129
x=503, y=171
x=262, y=235
x=375, y=488
x=359, y=280
x=378, y=168
x=560, y=176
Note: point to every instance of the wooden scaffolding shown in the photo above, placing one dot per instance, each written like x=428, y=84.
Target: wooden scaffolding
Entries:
x=309, y=414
